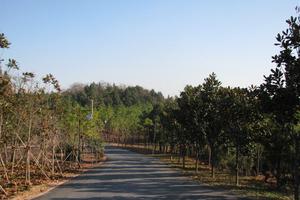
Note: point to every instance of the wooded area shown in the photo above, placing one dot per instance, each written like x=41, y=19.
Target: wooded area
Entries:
x=42, y=133
x=245, y=130
x=45, y=131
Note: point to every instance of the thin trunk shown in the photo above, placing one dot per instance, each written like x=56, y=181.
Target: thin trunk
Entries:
x=296, y=170
x=4, y=168
x=171, y=152
x=197, y=162
x=179, y=153
x=38, y=165
x=61, y=155
x=1, y=121
x=2, y=189
x=53, y=160
x=5, y=153
x=58, y=165
x=79, y=140
x=145, y=141
x=43, y=149
x=237, y=166
x=212, y=170
x=212, y=162
x=183, y=156
x=28, y=152
x=154, y=139
x=1, y=159
x=82, y=147
x=13, y=157
x=209, y=156
x=257, y=162
x=27, y=165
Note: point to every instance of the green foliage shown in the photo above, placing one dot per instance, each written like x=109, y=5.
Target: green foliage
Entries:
x=4, y=44
x=242, y=129
x=111, y=95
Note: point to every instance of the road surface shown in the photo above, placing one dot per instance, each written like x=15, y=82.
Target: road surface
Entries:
x=128, y=175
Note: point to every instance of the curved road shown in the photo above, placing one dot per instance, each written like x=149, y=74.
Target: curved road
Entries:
x=128, y=175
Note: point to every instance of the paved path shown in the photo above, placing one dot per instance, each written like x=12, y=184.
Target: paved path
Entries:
x=128, y=175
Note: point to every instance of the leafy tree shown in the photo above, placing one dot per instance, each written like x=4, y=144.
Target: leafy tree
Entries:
x=240, y=116
x=212, y=117
x=187, y=118
x=280, y=96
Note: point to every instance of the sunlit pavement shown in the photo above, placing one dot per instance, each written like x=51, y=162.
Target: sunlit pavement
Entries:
x=128, y=175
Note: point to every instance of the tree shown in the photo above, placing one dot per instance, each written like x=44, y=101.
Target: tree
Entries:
x=281, y=94
x=186, y=117
x=212, y=117
x=37, y=122
x=239, y=117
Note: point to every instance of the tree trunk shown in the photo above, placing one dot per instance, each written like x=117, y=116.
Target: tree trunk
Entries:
x=209, y=156
x=53, y=159
x=183, y=156
x=145, y=141
x=2, y=189
x=154, y=140
x=197, y=161
x=79, y=140
x=5, y=153
x=257, y=162
x=13, y=157
x=237, y=166
x=28, y=152
x=212, y=162
x=1, y=123
x=4, y=168
x=27, y=165
x=296, y=170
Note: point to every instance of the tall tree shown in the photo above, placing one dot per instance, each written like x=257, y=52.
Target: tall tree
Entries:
x=212, y=117
x=282, y=87
x=239, y=115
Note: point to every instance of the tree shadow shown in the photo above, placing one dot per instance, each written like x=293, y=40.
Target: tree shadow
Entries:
x=129, y=175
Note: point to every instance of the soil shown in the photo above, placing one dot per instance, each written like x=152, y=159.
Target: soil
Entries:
x=17, y=189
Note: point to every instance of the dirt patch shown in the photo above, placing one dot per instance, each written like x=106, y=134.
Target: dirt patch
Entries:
x=42, y=186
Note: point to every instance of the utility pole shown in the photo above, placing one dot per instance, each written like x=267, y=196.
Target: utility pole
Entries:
x=92, y=107
x=154, y=139
x=79, y=136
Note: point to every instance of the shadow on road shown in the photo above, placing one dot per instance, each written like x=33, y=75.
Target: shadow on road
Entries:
x=128, y=175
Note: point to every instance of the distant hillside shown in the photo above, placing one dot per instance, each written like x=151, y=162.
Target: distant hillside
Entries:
x=111, y=94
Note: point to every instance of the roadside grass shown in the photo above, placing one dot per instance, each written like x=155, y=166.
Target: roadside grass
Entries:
x=251, y=187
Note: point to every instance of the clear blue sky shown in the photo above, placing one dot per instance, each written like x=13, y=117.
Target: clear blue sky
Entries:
x=159, y=44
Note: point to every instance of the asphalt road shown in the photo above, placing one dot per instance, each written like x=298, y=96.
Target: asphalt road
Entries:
x=128, y=175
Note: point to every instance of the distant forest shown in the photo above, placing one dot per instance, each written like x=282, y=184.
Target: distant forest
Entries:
x=112, y=95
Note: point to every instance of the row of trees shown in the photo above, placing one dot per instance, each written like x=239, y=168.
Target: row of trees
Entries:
x=118, y=107
x=105, y=94
x=42, y=132
x=45, y=131
x=241, y=129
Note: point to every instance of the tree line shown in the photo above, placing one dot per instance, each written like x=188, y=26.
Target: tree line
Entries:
x=245, y=130
x=105, y=94
x=45, y=131
x=42, y=132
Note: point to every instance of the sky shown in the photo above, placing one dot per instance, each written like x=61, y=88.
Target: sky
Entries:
x=157, y=44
